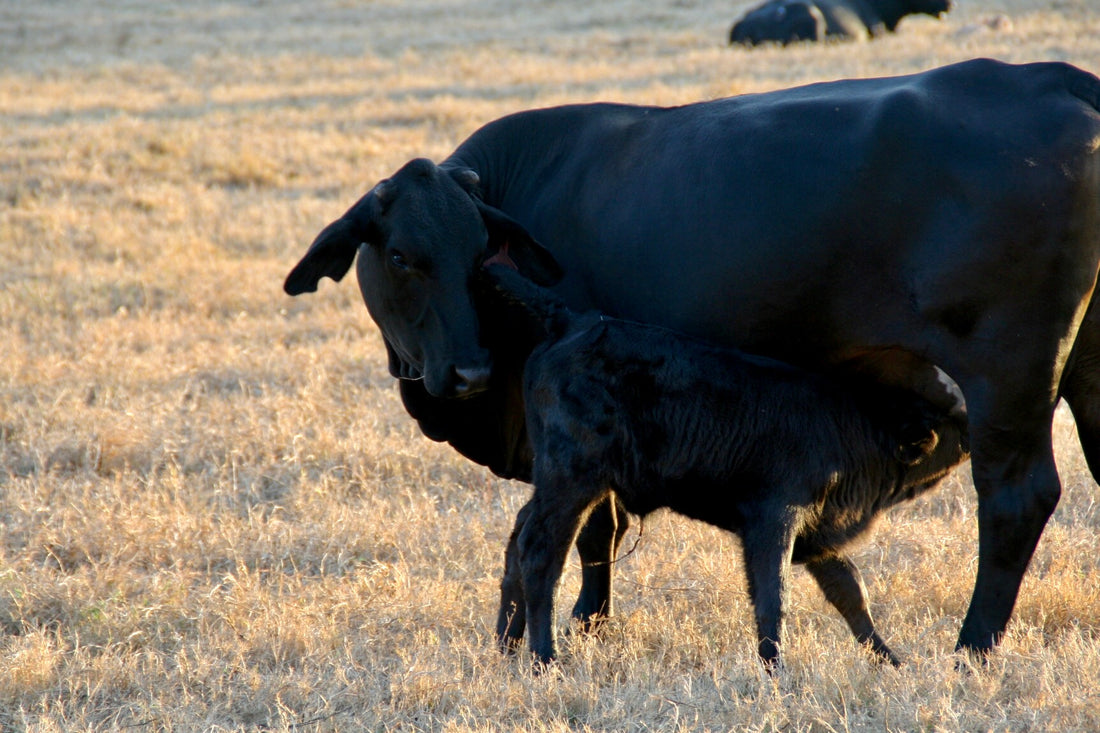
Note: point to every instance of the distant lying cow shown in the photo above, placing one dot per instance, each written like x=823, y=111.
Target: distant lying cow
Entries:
x=787, y=21
x=795, y=463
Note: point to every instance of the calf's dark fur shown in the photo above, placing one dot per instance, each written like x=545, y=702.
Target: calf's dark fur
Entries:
x=795, y=463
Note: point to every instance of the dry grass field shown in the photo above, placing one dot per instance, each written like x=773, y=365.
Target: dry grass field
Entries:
x=214, y=512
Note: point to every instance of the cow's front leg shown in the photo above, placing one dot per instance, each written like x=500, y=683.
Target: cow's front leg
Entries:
x=512, y=616
x=543, y=544
x=840, y=581
x=598, y=546
x=1018, y=489
x=767, y=541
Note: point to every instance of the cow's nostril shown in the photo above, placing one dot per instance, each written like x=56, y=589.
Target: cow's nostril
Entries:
x=471, y=380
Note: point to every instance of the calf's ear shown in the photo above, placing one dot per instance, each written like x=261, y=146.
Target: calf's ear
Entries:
x=512, y=246
x=916, y=445
x=333, y=251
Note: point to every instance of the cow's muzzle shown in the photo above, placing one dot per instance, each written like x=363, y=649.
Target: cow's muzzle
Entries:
x=471, y=380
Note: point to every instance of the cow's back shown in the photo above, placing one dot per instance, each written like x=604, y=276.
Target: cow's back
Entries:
x=788, y=223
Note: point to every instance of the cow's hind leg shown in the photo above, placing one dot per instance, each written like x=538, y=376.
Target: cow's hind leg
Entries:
x=840, y=581
x=598, y=545
x=1081, y=389
x=1086, y=414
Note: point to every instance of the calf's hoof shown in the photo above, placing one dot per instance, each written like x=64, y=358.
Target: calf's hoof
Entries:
x=768, y=652
x=885, y=656
x=541, y=667
x=509, y=644
x=588, y=625
x=511, y=623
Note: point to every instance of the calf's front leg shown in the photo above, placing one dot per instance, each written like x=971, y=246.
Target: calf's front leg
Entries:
x=512, y=615
x=543, y=544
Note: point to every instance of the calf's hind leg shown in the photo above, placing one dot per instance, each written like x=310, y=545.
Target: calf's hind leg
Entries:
x=840, y=581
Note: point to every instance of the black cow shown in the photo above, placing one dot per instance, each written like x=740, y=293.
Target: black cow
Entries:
x=872, y=226
x=796, y=464
x=787, y=21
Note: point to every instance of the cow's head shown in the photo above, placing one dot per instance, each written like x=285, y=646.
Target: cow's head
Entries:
x=421, y=236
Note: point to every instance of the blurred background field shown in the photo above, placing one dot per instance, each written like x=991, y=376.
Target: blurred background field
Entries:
x=214, y=512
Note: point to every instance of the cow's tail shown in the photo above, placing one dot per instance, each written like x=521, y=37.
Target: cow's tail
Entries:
x=552, y=317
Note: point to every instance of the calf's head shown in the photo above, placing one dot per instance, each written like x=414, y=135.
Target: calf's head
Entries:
x=422, y=235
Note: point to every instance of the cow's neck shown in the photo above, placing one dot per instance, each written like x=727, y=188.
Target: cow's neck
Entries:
x=516, y=155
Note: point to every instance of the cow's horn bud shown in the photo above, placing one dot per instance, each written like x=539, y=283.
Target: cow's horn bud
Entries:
x=383, y=192
x=467, y=178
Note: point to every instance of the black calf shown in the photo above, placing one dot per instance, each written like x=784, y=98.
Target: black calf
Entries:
x=796, y=464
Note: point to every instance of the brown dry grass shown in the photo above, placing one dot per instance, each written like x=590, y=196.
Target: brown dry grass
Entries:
x=214, y=513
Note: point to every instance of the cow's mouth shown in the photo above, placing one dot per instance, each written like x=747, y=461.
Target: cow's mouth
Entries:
x=409, y=372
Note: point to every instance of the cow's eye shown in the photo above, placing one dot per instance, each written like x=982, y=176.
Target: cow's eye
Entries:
x=398, y=260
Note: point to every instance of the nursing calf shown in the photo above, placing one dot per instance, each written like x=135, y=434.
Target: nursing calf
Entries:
x=795, y=463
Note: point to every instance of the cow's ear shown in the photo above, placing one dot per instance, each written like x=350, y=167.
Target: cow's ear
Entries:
x=512, y=246
x=330, y=255
x=333, y=251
